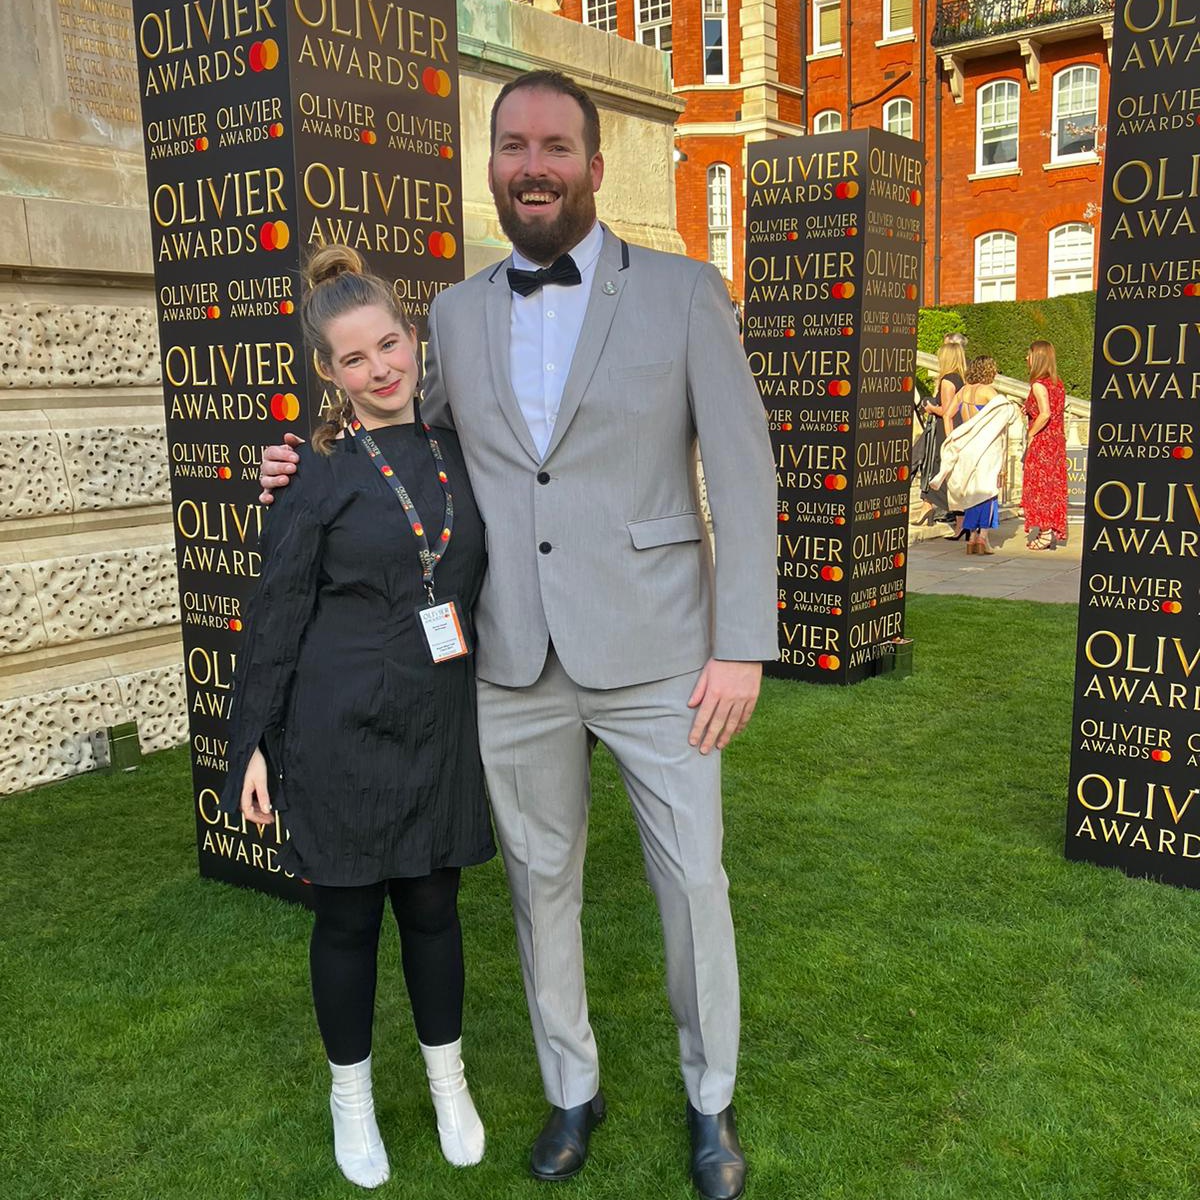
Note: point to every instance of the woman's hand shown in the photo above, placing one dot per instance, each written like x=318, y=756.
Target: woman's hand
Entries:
x=256, y=800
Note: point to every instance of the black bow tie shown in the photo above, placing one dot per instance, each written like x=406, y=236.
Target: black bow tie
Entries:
x=562, y=270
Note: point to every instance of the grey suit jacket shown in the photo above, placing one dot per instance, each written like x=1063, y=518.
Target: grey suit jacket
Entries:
x=600, y=545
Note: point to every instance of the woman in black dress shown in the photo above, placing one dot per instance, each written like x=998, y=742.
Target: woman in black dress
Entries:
x=952, y=368
x=354, y=712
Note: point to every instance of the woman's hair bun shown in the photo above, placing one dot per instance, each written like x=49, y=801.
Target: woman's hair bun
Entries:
x=331, y=261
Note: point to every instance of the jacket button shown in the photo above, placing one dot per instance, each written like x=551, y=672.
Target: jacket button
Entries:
x=543, y=477
x=545, y=547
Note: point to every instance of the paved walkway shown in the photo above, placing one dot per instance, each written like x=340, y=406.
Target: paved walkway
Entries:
x=941, y=567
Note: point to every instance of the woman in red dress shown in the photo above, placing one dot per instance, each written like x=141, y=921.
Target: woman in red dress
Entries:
x=1044, y=495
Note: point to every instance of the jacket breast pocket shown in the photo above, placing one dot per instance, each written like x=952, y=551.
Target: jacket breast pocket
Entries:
x=665, y=531
x=652, y=370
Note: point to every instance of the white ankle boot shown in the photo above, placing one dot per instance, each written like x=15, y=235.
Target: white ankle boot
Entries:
x=357, y=1145
x=459, y=1126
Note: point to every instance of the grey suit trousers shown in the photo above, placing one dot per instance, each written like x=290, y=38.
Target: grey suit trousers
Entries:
x=535, y=753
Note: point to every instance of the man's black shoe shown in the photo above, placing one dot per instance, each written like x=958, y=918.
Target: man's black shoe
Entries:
x=561, y=1148
x=718, y=1164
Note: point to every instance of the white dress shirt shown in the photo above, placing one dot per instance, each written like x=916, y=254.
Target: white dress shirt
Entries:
x=544, y=331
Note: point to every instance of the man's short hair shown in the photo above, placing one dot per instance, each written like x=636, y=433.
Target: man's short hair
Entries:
x=564, y=85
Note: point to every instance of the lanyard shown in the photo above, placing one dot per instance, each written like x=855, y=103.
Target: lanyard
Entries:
x=429, y=558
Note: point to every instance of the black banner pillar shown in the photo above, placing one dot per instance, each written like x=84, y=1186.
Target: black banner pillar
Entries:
x=833, y=283
x=272, y=127
x=1134, y=796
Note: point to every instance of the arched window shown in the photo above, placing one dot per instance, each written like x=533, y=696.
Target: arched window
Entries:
x=829, y=121
x=1072, y=248
x=720, y=251
x=999, y=108
x=897, y=117
x=1076, y=109
x=996, y=266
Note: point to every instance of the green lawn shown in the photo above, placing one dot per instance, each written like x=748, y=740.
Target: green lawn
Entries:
x=936, y=1004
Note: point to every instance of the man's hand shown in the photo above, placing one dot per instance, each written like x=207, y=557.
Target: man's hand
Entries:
x=278, y=462
x=725, y=695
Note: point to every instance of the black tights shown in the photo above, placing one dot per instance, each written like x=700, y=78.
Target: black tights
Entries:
x=344, y=947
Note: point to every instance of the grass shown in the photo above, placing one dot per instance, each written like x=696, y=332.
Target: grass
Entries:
x=936, y=1004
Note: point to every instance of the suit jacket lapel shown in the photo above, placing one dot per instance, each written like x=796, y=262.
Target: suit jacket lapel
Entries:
x=499, y=339
x=607, y=285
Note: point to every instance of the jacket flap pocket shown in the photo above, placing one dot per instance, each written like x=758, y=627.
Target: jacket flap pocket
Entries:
x=640, y=370
x=664, y=531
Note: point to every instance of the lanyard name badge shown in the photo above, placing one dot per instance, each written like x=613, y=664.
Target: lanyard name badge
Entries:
x=444, y=634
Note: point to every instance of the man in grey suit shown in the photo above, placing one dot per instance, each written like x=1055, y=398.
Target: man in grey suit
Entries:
x=581, y=373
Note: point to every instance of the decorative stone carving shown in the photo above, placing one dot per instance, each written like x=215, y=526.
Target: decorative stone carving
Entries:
x=56, y=734
x=21, y=626
x=98, y=595
x=122, y=466
x=56, y=345
x=33, y=480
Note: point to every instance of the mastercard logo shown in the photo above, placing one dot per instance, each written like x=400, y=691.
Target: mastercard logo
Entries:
x=901, y=472
x=792, y=235
x=274, y=235
x=224, y=473
x=900, y=594
x=838, y=387
x=435, y=81
x=831, y=573
x=1172, y=606
x=828, y=662
x=1161, y=755
x=782, y=606
x=784, y=517
x=235, y=624
x=881, y=423
x=898, y=560
x=846, y=191
x=891, y=233
x=786, y=427
x=872, y=603
x=842, y=291
x=212, y=312
x=911, y=291
x=852, y=231
x=914, y=197
x=445, y=151
x=789, y=333
x=442, y=245
x=368, y=137
x=847, y=331
x=835, y=612
x=904, y=508
x=876, y=514
x=887, y=329
x=839, y=520
x=419, y=530
x=285, y=406
x=1181, y=452
x=286, y=307
x=264, y=55
x=1189, y=289
x=843, y=428
x=201, y=143
x=387, y=471
x=907, y=382
x=835, y=483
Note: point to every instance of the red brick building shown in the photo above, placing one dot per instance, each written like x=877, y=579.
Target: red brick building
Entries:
x=1008, y=97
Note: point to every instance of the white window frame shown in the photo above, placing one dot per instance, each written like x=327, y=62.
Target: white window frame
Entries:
x=601, y=14
x=995, y=284
x=819, y=47
x=655, y=25
x=899, y=31
x=715, y=10
x=719, y=201
x=901, y=105
x=830, y=119
x=1010, y=88
x=1061, y=81
x=1066, y=274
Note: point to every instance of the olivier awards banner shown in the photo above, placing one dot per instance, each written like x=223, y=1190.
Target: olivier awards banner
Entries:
x=833, y=283
x=1134, y=797
x=272, y=127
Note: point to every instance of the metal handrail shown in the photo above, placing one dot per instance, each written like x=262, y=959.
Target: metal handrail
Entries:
x=966, y=20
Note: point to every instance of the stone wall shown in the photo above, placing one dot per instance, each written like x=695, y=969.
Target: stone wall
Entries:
x=89, y=617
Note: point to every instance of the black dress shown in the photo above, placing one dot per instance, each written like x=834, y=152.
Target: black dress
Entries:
x=935, y=436
x=377, y=745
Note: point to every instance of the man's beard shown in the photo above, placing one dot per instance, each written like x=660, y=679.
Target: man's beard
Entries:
x=543, y=241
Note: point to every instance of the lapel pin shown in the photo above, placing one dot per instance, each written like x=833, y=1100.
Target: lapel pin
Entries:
x=610, y=288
